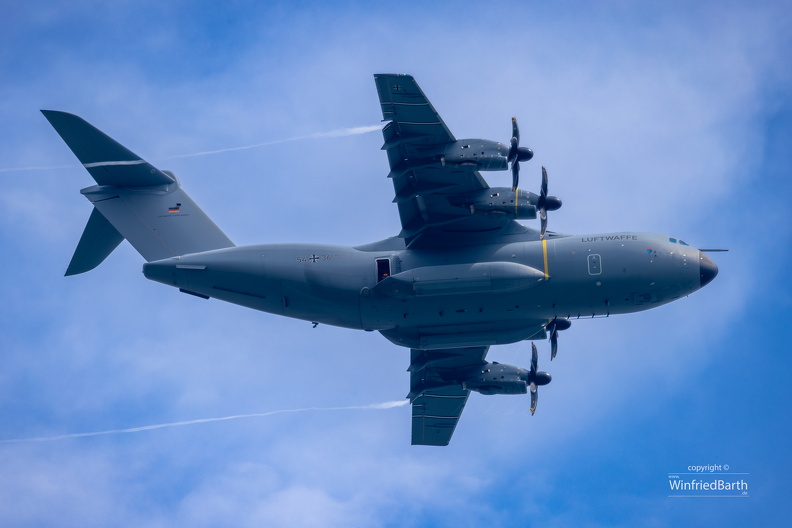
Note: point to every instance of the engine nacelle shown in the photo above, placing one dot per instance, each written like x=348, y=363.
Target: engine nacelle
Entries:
x=500, y=200
x=496, y=378
x=478, y=154
x=487, y=378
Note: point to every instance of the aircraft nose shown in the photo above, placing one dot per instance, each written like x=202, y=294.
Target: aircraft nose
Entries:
x=707, y=269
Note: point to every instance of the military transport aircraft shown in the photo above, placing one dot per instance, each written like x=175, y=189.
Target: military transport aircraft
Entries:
x=461, y=276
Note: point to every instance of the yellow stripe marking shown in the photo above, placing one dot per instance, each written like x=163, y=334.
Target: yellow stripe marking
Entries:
x=516, y=200
x=544, y=251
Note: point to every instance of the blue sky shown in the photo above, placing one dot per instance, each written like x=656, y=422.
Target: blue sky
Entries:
x=650, y=116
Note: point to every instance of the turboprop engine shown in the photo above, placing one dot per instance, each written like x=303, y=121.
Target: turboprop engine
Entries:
x=497, y=378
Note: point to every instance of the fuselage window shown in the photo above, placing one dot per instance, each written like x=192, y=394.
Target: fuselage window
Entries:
x=594, y=265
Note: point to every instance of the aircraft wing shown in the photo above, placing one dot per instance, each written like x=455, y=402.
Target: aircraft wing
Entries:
x=416, y=139
x=435, y=415
x=438, y=398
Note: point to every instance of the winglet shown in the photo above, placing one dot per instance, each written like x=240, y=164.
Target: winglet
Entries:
x=108, y=162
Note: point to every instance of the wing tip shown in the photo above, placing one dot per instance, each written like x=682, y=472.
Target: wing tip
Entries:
x=376, y=75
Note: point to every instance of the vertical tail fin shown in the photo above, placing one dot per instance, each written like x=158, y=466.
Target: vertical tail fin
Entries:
x=132, y=200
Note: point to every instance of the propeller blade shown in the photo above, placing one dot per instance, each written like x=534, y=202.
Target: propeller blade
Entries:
x=543, y=220
x=541, y=204
x=515, y=168
x=514, y=154
x=543, y=195
x=534, y=360
x=515, y=131
x=534, y=398
x=515, y=142
x=553, y=327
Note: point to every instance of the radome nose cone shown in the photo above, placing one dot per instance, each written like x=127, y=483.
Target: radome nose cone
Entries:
x=707, y=269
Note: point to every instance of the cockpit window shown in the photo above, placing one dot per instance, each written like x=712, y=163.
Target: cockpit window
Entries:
x=674, y=240
x=683, y=243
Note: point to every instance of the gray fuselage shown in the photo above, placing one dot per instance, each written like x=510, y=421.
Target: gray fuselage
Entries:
x=481, y=294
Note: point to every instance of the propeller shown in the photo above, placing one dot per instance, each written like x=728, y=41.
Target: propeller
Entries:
x=536, y=378
x=553, y=327
x=546, y=203
x=517, y=154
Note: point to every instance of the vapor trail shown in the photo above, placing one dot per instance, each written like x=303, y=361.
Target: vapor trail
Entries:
x=39, y=168
x=373, y=406
x=340, y=132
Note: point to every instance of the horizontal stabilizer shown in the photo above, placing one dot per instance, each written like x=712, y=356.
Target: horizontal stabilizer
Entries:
x=98, y=240
x=108, y=162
